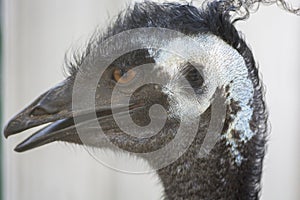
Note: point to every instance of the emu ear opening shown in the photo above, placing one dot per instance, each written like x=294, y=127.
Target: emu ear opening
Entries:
x=193, y=76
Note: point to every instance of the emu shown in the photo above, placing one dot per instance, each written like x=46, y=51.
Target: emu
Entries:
x=233, y=167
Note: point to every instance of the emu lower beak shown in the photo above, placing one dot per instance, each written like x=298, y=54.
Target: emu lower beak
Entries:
x=54, y=106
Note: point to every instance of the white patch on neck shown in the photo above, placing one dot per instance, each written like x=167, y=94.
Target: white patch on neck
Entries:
x=222, y=66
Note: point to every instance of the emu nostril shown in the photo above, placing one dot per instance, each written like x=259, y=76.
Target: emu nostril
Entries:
x=40, y=110
x=37, y=111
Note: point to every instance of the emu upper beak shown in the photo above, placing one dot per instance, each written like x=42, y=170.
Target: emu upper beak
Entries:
x=54, y=106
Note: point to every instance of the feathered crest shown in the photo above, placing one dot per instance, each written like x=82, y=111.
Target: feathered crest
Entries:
x=235, y=10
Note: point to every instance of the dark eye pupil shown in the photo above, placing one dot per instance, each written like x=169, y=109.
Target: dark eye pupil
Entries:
x=122, y=72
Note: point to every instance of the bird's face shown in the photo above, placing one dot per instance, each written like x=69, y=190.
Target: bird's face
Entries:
x=170, y=91
x=55, y=106
x=125, y=94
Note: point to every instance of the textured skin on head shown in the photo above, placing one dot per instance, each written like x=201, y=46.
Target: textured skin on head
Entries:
x=215, y=176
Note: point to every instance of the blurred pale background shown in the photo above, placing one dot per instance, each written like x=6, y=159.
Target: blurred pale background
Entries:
x=36, y=36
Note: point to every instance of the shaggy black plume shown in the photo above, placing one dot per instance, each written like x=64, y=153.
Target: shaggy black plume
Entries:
x=169, y=16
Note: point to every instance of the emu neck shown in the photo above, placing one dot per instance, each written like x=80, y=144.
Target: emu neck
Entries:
x=215, y=176
x=211, y=178
x=190, y=178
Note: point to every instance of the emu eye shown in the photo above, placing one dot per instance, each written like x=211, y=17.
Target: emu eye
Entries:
x=121, y=76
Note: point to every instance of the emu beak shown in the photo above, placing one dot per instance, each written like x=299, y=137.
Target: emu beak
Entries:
x=52, y=106
x=55, y=106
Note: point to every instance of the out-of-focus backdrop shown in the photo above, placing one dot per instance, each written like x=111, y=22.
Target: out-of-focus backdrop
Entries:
x=36, y=36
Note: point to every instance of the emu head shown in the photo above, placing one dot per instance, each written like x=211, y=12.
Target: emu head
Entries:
x=205, y=63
